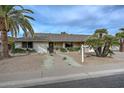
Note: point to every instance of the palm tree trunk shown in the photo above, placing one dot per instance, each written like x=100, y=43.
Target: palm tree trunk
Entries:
x=100, y=50
x=121, y=45
x=106, y=49
x=97, y=52
x=5, y=51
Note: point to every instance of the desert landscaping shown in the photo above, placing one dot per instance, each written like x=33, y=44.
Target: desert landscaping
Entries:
x=57, y=62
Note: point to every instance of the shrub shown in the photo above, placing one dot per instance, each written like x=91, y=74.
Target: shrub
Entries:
x=31, y=50
x=64, y=58
x=63, y=50
x=18, y=50
x=70, y=49
x=73, y=49
x=12, y=47
x=56, y=48
x=51, y=54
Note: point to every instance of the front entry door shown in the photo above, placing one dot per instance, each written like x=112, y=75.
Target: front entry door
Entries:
x=51, y=47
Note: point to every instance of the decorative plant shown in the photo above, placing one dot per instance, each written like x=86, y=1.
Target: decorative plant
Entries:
x=12, y=18
x=102, y=42
x=120, y=36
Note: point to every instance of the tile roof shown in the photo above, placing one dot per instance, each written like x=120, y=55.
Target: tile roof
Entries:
x=55, y=37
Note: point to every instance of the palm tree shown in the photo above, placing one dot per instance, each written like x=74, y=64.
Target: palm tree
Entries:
x=101, y=32
x=120, y=36
x=12, y=19
x=101, y=42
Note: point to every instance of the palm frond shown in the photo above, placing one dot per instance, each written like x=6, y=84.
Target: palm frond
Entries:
x=17, y=18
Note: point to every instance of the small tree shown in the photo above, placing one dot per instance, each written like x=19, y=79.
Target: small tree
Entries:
x=102, y=42
x=120, y=36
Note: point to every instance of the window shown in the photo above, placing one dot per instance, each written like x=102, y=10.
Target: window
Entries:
x=24, y=44
x=68, y=45
x=30, y=45
x=27, y=44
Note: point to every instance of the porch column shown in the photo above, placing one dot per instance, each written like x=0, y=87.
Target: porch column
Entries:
x=63, y=45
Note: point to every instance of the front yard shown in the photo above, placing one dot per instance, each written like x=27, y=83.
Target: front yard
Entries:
x=21, y=63
x=59, y=64
x=93, y=60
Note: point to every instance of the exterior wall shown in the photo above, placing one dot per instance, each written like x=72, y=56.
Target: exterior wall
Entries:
x=58, y=44
x=18, y=44
x=62, y=44
x=87, y=49
x=115, y=48
x=40, y=47
x=77, y=44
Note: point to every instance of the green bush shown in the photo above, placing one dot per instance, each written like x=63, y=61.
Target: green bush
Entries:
x=63, y=50
x=19, y=50
x=73, y=49
x=13, y=47
x=64, y=58
x=56, y=48
x=31, y=50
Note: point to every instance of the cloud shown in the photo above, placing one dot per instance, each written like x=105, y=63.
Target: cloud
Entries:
x=75, y=19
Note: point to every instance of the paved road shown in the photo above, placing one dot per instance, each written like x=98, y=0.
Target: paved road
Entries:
x=114, y=81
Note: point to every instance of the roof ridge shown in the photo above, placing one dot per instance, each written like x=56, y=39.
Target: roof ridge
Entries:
x=63, y=34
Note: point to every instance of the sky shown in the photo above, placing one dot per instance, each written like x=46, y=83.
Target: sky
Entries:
x=76, y=19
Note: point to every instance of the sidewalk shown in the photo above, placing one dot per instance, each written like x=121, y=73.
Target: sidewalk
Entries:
x=59, y=71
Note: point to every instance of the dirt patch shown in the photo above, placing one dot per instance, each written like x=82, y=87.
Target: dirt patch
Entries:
x=75, y=55
x=70, y=60
x=23, y=63
x=93, y=60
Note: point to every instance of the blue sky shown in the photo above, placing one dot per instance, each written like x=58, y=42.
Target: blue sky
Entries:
x=82, y=19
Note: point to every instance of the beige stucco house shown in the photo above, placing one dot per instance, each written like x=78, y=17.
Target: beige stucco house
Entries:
x=41, y=42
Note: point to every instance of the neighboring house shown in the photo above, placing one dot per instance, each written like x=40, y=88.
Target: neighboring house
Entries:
x=44, y=41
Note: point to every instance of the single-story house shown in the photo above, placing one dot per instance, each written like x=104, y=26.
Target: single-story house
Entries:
x=41, y=42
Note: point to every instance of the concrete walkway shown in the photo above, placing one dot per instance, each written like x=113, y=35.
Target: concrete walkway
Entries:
x=56, y=69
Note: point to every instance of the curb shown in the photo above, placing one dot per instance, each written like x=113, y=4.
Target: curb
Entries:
x=57, y=79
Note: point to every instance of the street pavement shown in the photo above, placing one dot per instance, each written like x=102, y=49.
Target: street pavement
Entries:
x=113, y=81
